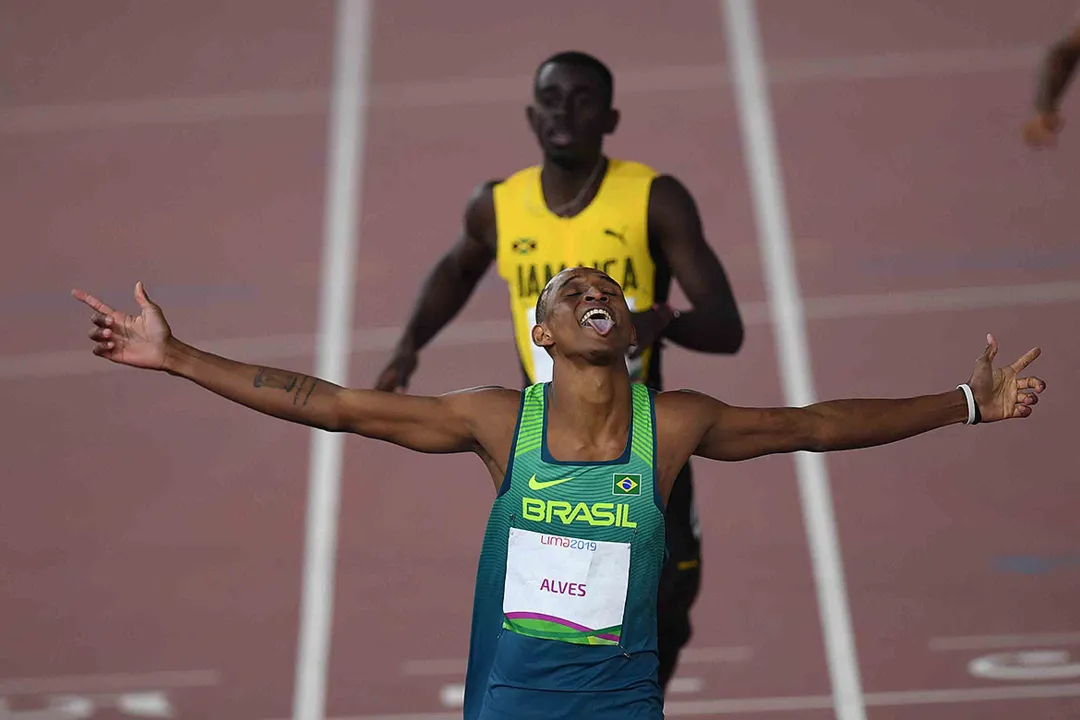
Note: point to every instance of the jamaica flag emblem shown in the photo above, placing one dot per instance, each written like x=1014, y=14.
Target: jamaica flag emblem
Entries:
x=524, y=246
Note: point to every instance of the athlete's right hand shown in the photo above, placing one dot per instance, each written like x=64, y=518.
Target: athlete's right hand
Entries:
x=139, y=341
x=1043, y=129
x=395, y=376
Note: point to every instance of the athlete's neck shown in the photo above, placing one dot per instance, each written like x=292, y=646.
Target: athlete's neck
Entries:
x=589, y=408
x=570, y=187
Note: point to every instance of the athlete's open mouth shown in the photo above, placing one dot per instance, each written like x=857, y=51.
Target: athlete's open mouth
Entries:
x=598, y=319
x=560, y=138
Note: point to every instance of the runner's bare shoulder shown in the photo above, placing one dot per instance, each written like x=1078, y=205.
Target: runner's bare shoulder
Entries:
x=485, y=401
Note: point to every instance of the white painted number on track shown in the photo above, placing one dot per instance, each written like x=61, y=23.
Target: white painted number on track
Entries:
x=150, y=704
x=1026, y=665
x=452, y=696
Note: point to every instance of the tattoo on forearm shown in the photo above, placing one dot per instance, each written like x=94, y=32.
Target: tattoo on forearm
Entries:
x=298, y=385
x=305, y=382
x=276, y=379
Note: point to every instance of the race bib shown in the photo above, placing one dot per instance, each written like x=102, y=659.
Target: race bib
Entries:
x=567, y=589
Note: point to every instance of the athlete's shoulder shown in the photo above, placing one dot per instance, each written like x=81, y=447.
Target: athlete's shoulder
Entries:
x=480, y=207
x=483, y=393
x=509, y=192
x=670, y=201
x=633, y=168
x=666, y=186
x=518, y=177
x=681, y=395
x=683, y=404
x=482, y=193
x=487, y=400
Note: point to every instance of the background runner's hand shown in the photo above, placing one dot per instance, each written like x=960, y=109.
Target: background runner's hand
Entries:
x=1043, y=129
x=138, y=340
x=650, y=325
x=1000, y=393
x=395, y=376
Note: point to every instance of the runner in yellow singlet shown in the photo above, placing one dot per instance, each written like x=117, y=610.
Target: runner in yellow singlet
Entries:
x=582, y=208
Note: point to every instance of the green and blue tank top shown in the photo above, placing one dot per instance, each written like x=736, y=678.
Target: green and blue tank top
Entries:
x=567, y=579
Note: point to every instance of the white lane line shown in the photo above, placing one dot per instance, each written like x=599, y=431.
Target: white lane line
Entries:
x=842, y=307
x=269, y=348
x=452, y=696
x=1026, y=665
x=964, y=695
x=990, y=642
x=875, y=699
x=715, y=655
x=674, y=708
x=334, y=343
x=796, y=703
x=110, y=682
x=785, y=302
x=403, y=716
x=446, y=666
x=457, y=666
x=904, y=65
x=458, y=92
x=685, y=685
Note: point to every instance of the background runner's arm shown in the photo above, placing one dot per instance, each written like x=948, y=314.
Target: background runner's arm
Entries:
x=425, y=424
x=1056, y=71
x=454, y=277
x=714, y=324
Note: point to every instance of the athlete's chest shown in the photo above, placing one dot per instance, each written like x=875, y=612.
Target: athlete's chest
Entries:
x=582, y=498
x=600, y=234
x=610, y=234
x=572, y=537
x=537, y=252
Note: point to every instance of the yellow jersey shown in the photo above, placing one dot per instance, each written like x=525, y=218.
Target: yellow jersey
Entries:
x=610, y=234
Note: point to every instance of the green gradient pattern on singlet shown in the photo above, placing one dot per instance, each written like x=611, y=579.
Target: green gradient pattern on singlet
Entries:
x=589, y=507
x=605, y=501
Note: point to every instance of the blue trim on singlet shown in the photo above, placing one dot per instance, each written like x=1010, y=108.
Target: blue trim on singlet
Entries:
x=655, y=454
x=513, y=448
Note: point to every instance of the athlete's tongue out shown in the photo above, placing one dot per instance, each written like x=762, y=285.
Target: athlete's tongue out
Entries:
x=600, y=324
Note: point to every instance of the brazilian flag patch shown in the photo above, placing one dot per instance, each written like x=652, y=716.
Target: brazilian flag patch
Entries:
x=626, y=484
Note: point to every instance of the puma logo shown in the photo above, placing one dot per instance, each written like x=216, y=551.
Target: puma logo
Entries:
x=621, y=237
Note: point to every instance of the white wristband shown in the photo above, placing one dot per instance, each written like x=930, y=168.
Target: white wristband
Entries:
x=970, y=402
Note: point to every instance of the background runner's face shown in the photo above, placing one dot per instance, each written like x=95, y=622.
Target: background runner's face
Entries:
x=570, y=114
x=580, y=292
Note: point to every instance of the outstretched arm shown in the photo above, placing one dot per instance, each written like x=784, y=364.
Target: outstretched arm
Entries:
x=447, y=288
x=442, y=424
x=724, y=432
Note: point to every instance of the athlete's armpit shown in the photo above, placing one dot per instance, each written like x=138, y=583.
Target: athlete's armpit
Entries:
x=463, y=421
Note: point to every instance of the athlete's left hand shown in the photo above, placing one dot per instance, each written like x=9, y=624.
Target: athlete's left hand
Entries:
x=138, y=340
x=1043, y=129
x=650, y=325
x=1000, y=393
